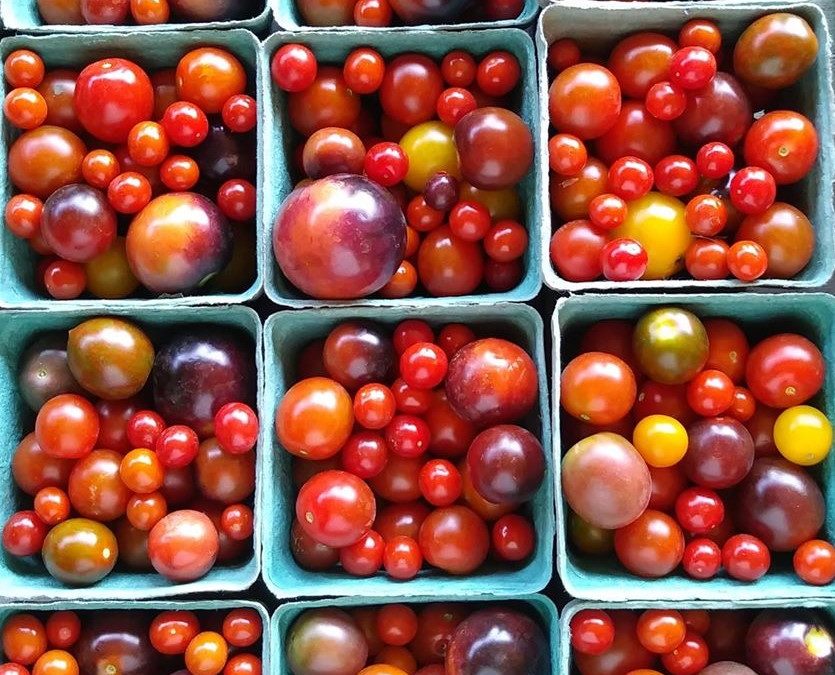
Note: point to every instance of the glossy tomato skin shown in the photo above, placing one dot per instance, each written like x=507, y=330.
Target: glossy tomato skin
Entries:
x=598, y=388
x=96, y=489
x=636, y=133
x=209, y=77
x=785, y=370
x=315, y=418
x=572, y=196
x=624, y=655
x=640, y=61
x=720, y=452
x=786, y=235
x=411, y=86
x=719, y=112
x=652, y=546
x=671, y=345
x=584, y=100
x=111, y=97
x=326, y=640
x=506, y=463
x=448, y=265
x=454, y=539
x=328, y=102
x=336, y=508
x=183, y=546
x=80, y=552
x=775, y=50
x=45, y=159
x=116, y=642
x=783, y=142
x=356, y=354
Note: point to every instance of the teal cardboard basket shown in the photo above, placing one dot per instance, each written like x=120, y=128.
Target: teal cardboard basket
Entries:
x=286, y=333
x=538, y=607
x=601, y=24
x=27, y=578
x=333, y=47
x=23, y=16
x=287, y=16
x=151, y=50
x=571, y=609
x=811, y=315
x=8, y=609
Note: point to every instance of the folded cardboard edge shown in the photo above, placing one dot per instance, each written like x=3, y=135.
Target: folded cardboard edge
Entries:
x=256, y=289
x=531, y=283
x=620, y=594
x=550, y=277
x=497, y=312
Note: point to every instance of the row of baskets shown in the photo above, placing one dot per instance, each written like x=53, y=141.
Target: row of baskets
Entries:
x=277, y=346
x=604, y=22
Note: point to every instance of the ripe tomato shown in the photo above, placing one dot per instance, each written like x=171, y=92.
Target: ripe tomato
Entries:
x=592, y=631
x=785, y=370
x=661, y=440
x=803, y=435
x=814, y=562
x=660, y=630
x=651, y=546
x=336, y=508
x=598, y=388
x=783, y=142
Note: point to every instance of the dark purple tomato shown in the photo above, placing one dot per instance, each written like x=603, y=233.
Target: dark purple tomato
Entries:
x=720, y=452
x=43, y=371
x=326, y=641
x=178, y=242
x=606, y=481
x=719, y=112
x=116, y=642
x=225, y=155
x=413, y=12
x=780, y=503
x=214, y=10
x=495, y=148
x=341, y=237
x=198, y=371
x=789, y=642
x=491, y=381
x=309, y=553
x=507, y=464
x=133, y=546
x=498, y=640
x=78, y=223
x=358, y=353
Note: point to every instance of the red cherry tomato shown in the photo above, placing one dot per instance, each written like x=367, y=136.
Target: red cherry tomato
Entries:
x=702, y=559
x=513, y=538
x=293, y=67
x=814, y=562
x=745, y=557
x=592, y=631
x=440, y=482
x=699, y=510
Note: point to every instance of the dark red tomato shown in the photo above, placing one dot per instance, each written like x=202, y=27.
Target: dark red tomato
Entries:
x=728, y=348
x=113, y=422
x=719, y=112
x=410, y=400
x=450, y=434
x=410, y=89
x=336, y=508
x=598, y=388
x=24, y=533
x=364, y=557
x=67, y=426
x=440, y=482
x=454, y=539
x=407, y=436
x=651, y=546
x=785, y=370
x=364, y=454
x=236, y=428
x=699, y=510
x=436, y=625
x=293, y=67
x=636, y=133
x=575, y=251
x=423, y=365
x=401, y=520
x=397, y=624
x=655, y=398
x=592, y=631
x=63, y=629
x=611, y=336
x=783, y=142
x=761, y=428
x=398, y=481
x=624, y=655
x=563, y=53
x=454, y=336
x=744, y=405
x=689, y=658
x=176, y=446
x=641, y=60
x=513, y=538
x=584, y=100
x=726, y=635
x=667, y=484
x=702, y=559
x=309, y=553
x=745, y=557
x=111, y=96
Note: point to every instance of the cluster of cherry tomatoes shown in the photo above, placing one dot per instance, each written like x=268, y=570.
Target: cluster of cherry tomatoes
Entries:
x=721, y=434
x=143, y=195
x=113, y=479
x=670, y=155
x=144, y=12
x=382, y=13
x=433, y=639
x=703, y=642
x=181, y=641
x=418, y=198
x=425, y=425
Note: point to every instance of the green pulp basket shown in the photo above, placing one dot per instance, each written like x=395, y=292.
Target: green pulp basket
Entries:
x=333, y=47
x=27, y=578
x=287, y=16
x=599, y=25
x=286, y=333
x=538, y=606
x=151, y=50
x=811, y=315
x=23, y=16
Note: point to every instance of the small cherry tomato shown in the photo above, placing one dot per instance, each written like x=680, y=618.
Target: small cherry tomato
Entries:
x=803, y=435
x=661, y=440
x=592, y=631
x=702, y=559
x=661, y=631
x=236, y=428
x=747, y=260
x=745, y=557
x=294, y=67
x=814, y=562
x=513, y=538
x=240, y=113
x=623, y=260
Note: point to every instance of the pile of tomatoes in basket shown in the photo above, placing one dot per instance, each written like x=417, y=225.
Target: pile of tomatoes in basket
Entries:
x=704, y=642
x=143, y=195
x=382, y=13
x=108, y=641
x=411, y=168
x=449, y=638
x=429, y=426
x=114, y=478
x=145, y=12
x=684, y=154
x=694, y=446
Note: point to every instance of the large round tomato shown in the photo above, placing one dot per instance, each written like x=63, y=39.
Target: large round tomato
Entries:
x=598, y=388
x=640, y=61
x=584, y=100
x=336, y=508
x=785, y=143
x=671, y=345
x=786, y=235
x=785, y=370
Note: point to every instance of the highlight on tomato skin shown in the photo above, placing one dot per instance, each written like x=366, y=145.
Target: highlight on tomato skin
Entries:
x=697, y=146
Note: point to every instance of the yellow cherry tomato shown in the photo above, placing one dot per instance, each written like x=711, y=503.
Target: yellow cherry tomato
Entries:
x=502, y=204
x=803, y=435
x=657, y=223
x=430, y=148
x=661, y=440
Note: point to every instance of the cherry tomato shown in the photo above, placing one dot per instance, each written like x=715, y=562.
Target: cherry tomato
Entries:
x=607, y=211
x=803, y=435
x=440, y=482
x=172, y=631
x=661, y=440
x=651, y=546
x=661, y=631
x=584, y=100
x=386, y=163
x=294, y=67
x=598, y=388
x=402, y=558
x=397, y=624
x=407, y=436
x=67, y=426
x=784, y=143
x=179, y=173
x=567, y=154
x=56, y=662
x=23, y=215
x=373, y=13
x=364, y=557
x=25, y=108
x=142, y=471
x=24, y=638
x=702, y=559
x=454, y=539
x=144, y=428
x=752, y=190
x=630, y=178
x=143, y=511
x=576, y=249
x=52, y=505
x=692, y=68
x=700, y=33
x=423, y=365
x=24, y=534
x=592, y=631
x=676, y=175
x=689, y=658
x=63, y=629
x=623, y=260
x=707, y=259
x=498, y=73
x=745, y=557
x=185, y=124
x=64, y=280
x=506, y=241
x=242, y=627
x=24, y=68
x=715, y=160
x=814, y=562
x=699, y=510
x=209, y=76
x=314, y=418
x=665, y=101
x=513, y=538
x=710, y=393
x=706, y=215
x=240, y=113
x=747, y=260
x=129, y=192
x=563, y=53
x=784, y=370
x=335, y=508
x=363, y=70
x=206, y=654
